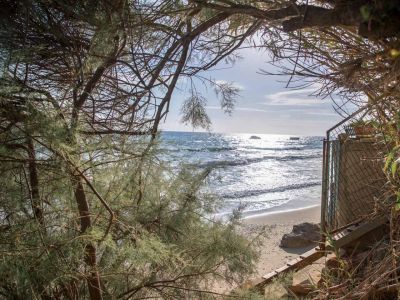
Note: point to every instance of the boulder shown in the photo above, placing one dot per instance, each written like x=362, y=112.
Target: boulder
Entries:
x=302, y=235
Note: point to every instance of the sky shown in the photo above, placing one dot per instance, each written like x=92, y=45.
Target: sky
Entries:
x=264, y=106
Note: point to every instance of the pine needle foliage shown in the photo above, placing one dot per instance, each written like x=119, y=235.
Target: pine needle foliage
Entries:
x=159, y=243
x=87, y=209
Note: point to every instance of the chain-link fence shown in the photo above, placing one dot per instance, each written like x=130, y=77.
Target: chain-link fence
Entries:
x=352, y=172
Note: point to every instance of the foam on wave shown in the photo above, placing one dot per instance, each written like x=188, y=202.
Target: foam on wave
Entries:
x=250, y=193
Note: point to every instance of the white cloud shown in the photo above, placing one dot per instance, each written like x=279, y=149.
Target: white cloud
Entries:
x=322, y=113
x=213, y=107
x=237, y=109
x=250, y=109
x=293, y=98
x=234, y=84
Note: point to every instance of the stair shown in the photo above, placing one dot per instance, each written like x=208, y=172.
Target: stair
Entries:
x=354, y=232
x=339, y=239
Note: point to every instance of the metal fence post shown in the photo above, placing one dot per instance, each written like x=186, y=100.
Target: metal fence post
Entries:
x=324, y=193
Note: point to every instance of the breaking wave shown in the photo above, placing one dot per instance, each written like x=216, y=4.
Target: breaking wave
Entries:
x=244, y=162
x=276, y=148
x=250, y=193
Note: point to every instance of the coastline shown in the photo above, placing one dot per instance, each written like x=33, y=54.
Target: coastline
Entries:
x=269, y=229
x=292, y=216
x=273, y=226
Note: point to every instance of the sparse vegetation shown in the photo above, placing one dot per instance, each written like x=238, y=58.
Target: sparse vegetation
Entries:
x=86, y=209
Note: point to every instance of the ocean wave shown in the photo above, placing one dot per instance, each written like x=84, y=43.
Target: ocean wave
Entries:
x=276, y=148
x=210, y=149
x=220, y=149
x=243, y=162
x=206, y=149
x=250, y=193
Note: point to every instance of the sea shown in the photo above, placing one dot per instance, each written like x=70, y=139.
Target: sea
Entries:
x=259, y=174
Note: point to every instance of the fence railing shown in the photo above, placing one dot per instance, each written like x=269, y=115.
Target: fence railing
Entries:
x=352, y=172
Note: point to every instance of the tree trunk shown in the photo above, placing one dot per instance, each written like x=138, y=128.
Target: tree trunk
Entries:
x=93, y=279
x=34, y=183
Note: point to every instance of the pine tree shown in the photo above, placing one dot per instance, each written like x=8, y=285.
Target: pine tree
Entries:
x=86, y=208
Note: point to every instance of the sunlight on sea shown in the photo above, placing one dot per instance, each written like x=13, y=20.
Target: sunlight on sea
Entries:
x=263, y=173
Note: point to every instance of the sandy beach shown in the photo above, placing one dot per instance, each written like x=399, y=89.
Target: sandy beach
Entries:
x=270, y=228
x=274, y=226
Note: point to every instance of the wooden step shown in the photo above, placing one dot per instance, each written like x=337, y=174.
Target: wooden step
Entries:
x=296, y=264
x=341, y=238
x=354, y=232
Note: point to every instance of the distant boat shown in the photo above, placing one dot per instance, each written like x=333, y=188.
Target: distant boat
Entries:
x=254, y=137
x=294, y=138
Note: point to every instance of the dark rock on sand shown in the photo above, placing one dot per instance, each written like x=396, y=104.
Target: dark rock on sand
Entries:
x=302, y=235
